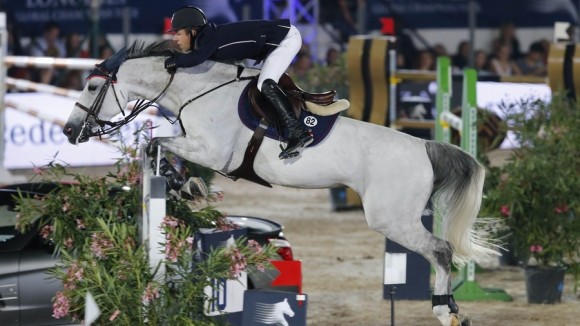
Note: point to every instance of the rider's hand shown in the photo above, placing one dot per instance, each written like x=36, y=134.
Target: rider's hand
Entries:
x=170, y=65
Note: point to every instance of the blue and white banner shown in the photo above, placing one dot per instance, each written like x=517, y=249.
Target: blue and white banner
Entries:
x=32, y=142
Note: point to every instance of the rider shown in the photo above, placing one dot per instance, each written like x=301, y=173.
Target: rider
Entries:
x=276, y=42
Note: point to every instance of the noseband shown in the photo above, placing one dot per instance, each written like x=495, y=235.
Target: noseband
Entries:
x=107, y=127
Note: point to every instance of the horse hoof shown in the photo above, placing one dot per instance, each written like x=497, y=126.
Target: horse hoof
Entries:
x=460, y=320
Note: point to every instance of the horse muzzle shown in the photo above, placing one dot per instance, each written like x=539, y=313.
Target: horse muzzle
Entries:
x=76, y=134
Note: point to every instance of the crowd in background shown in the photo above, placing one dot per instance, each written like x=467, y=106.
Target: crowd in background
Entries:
x=504, y=57
x=53, y=44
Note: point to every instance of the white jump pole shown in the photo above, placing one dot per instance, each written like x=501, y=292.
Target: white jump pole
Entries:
x=49, y=62
x=5, y=176
x=154, y=211
x=27, y=85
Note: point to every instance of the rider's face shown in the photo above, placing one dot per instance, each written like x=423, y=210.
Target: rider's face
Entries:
x=183, y=39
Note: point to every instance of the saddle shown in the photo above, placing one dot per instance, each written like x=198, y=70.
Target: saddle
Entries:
x=322, y=103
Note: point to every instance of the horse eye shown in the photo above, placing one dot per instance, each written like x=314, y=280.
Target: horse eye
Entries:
x=92, y=88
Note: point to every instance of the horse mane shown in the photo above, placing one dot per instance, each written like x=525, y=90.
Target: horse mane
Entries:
x=140, y=49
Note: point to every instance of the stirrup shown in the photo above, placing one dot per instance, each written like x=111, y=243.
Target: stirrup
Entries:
x=286, y=155
x=292, y=152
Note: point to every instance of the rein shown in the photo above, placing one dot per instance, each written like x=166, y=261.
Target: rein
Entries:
x=94, y=110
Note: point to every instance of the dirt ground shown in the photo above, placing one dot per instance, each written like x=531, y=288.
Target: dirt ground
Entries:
x=343, y=265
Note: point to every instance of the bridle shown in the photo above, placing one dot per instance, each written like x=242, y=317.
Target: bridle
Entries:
x=107, y=127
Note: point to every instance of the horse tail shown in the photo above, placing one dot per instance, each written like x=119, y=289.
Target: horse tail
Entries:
x=457, y=193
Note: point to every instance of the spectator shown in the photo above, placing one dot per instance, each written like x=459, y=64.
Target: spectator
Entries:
x=105, y=51
x=73, y=79
x=345, y=20
x=546, y=46
x=460, y=59
x=533, y=63
x=482, y=63
x=405, y=45
x=15, y=48
x=300, y=68
x=50, y=45
x=332, y=57
x=425, y=60
x=73, y=46
x=507, y=36
x=439, y=50
x=401, y=64
x=502, y=64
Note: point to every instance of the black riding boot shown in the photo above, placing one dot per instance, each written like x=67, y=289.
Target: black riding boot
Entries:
x=298, y=135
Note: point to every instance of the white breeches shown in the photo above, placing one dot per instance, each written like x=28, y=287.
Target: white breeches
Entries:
x=280, y=59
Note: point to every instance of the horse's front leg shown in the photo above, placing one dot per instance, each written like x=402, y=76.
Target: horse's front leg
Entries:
x=184, y=147
x=194, y=187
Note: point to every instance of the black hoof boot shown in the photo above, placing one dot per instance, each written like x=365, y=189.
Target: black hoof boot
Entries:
x=174, y=180
x=453, y=306
x=445, y=299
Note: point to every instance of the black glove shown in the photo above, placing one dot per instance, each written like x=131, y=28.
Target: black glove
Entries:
x=170, y=65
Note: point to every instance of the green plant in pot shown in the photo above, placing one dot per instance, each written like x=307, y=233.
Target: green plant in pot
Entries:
x=537, y=194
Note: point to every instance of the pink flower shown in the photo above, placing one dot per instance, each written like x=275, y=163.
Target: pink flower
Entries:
x=68, y=243
x=170, y=221
x=37, y=170
x=151, y=293
x=172, y=248
x=260, y=267
x=255, y=246
x=238, y=262
x=99, y=244
x=74, y=275
x=561, y=209
x=60, y=305
x=114, y=315
x=80, y=224
x=46, y=231
x=505, y=210
x=66, y=205
x=536, y=248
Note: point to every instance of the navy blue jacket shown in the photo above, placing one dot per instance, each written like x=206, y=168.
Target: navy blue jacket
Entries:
x=252, y=39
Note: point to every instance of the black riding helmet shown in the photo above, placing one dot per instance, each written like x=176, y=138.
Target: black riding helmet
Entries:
x=188, y=17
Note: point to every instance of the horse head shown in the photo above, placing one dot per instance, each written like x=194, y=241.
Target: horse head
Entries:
x=105, y=94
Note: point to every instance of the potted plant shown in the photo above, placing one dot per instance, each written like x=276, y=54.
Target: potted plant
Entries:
x=537, y=193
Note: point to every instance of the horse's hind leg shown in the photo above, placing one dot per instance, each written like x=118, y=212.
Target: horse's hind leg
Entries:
x=439, y=253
